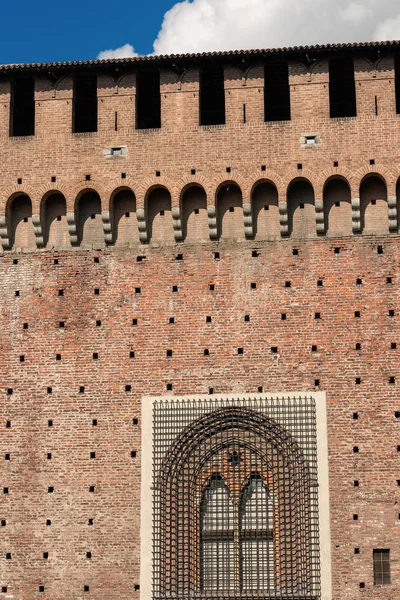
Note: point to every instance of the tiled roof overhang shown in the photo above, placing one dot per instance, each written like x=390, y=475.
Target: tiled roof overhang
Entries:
x=373, y=50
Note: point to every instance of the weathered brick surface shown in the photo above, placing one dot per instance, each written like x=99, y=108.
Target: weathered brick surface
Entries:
x=180, y=146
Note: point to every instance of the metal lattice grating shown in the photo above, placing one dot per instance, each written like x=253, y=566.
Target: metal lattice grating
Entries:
x=235, y=498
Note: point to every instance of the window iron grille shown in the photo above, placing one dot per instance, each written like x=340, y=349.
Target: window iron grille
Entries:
x=235, y=499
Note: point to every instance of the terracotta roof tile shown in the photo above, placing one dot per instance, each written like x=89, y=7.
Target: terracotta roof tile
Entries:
x=395, y=44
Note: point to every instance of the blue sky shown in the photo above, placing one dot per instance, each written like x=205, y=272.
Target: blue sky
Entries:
x=45, y=31
x=77, y=29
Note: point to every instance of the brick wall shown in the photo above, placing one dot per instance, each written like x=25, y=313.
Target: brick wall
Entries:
x=53, y=396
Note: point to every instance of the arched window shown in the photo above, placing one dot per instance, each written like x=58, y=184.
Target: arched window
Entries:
x=237, y=541
x=257, y=536
x=235, y=508
x=217, y=537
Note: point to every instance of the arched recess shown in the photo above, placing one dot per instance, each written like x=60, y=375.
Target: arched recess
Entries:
x=373, y=205
x=54, y=211
x=19, y=212
x=240, y=447
x=159, y=216
x=90, y=226
x=301, y=209
x=230, y=211
x=124, y=220
x=194, y=214
x=265, y=211
x=337, y=207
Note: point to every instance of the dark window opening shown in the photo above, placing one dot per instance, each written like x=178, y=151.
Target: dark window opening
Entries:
x=397, y=82
x=148, y=100
x=277, y=92
x=85, y=103
x=23, y=107
x=381, y=567
x=342, y=89
x=212, y=96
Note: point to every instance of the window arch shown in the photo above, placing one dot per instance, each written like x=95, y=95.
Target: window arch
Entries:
x=237, y=542
x=257, y=536
x=217, y=537
x=235, y=501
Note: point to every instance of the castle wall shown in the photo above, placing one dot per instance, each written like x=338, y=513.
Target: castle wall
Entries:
x=94, y=257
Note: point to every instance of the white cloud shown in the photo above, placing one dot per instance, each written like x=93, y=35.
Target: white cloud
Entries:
x=206, y=25
x=126, y=51
x=389, y=29
x=355, y=12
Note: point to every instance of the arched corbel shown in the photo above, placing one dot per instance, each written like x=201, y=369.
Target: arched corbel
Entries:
x=392, y=207
x=38, y=230
x=248, y=220
x=283, y=218
x=177, y=223
x=392, y=213
x=142, y=225
x=72, y=229
x=4, y=233
x=356, y=215
x=212, y=222
x=107, y=227
x=319, y=217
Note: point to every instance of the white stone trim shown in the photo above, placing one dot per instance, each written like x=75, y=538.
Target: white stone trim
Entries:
x=147, y=470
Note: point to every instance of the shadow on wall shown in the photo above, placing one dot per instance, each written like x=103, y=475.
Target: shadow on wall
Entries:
x=230, y=212
x=124, y=220
x=194, y=215
x=337, y=207
x=20, y=217
x=159, y=216
x=373, y=205
x=265, y=211
x=301, y=209
x=194, y=218
x=55, y=221
x=90, y=226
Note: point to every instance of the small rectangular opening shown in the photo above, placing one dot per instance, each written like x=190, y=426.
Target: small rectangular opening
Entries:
x=85, y=103
x=22, y=107
x=381, y=567
x=148, y=100
x=276, y=92
x=212, y=95
x=342, y=89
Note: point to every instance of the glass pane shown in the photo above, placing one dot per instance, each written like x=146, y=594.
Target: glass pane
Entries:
x=257, y=506
x=258, y=564
x=217, y=507
x=218, y=565
x=217, y=525
x=381, y=567
x=257, y=545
